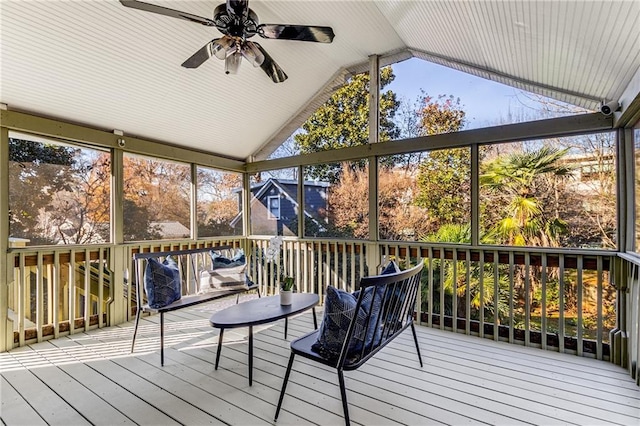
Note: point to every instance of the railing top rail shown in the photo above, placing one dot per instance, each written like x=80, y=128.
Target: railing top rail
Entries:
x=153, y=254
x=57, y=248
x=630, y=257
x=449, y=246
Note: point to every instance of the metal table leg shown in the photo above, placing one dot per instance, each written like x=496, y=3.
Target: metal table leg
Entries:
x=219, y=347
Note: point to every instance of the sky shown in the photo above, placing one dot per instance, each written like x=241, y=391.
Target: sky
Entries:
x=484, y=101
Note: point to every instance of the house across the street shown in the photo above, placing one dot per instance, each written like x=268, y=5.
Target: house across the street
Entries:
x=274, y=206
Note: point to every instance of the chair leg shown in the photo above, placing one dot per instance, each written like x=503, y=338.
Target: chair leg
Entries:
x=415, y=339
x=315, y=319
x=343, y=393
x=284, y=385
x=161, y=338
x=135, y=329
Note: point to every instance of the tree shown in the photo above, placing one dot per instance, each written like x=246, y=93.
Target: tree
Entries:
x=590, y=206
x=137, y=227
x=522, y=185
x=349, y=215
x=218, y=202
x=160, y=189
x=441, y=115
x=399, y=218
x=37, y=172
x=81, y=214
x=343, y=121
x=444, y=176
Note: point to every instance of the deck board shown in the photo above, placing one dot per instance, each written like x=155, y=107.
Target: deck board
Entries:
x=15, y=409
x=92, y=378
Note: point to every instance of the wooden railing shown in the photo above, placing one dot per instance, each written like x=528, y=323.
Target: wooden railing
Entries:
x=61, y=290
x=547, y=298
x=626, y=338
x=314, y=264
x=556, y=299
x=58, y=290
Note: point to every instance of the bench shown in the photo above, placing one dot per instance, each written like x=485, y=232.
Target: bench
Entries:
x=384, y=308
x=193, y=267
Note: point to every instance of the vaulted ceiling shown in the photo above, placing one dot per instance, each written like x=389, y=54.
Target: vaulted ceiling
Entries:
x=107, y=66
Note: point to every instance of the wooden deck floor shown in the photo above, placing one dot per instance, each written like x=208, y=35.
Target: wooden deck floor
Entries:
x=92, y=378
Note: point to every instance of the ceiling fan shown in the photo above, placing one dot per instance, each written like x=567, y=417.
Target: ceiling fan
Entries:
x=238, y=23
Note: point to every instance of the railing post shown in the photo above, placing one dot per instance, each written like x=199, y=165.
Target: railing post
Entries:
x=618, y=338
x=373, y=258
x=119, y=311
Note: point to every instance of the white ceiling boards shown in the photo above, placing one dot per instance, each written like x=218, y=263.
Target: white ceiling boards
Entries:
x=111, y=67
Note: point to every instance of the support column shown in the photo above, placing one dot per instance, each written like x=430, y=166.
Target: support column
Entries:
x=301, y=202
x=626, y=201
x=194, y=202
x=246, y=211
x=475, y=195
x=373, y=249
x=618, y=337
x=119, y=310
x=6, y=276
x=374, y=98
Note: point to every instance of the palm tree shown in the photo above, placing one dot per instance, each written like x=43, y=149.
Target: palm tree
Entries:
x=444, y=275
x=525, y=194
x=521, y=179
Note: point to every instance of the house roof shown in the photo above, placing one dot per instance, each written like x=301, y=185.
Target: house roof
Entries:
x=171, y=229
x=110, y=67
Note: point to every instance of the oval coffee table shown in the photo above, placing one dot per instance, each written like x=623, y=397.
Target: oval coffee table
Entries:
x=261, y=311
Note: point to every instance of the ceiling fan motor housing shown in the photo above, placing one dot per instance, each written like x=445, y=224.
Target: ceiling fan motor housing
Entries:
x=235, y=25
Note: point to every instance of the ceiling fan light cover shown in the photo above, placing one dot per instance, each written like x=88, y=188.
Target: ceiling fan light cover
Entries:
x=232, y=63
x=252, y=54
x=226, y=46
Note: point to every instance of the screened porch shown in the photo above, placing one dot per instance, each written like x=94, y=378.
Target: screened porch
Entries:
x=527, y=224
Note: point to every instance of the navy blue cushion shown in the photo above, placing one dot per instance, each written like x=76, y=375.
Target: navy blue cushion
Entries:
x=391, y=268
x=162, y=282
x=339, y=309
x=225, y=272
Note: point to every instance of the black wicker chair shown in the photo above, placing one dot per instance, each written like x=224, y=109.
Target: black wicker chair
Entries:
x=392, y=313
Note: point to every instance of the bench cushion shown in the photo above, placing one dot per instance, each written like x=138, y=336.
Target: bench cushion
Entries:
x=339, y=309
x=162, y=282
x=218, y=261
x=227, y=273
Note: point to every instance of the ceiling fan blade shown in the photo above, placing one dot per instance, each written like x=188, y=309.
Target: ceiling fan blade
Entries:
x=296, y=32
x=238, y=7
x=148, y=7
x=270, y=67
x=207, y=51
